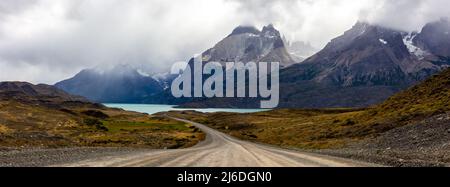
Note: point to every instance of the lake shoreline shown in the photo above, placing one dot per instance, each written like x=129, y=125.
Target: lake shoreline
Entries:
x=156, y=108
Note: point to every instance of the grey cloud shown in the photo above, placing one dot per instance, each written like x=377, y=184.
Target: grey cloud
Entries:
x=14, y=6
x=407, y=15
x=49, y=40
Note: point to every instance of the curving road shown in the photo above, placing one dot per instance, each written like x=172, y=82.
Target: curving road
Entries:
x=221, y=150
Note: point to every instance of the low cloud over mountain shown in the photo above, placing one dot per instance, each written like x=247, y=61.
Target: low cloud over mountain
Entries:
x=47, y=41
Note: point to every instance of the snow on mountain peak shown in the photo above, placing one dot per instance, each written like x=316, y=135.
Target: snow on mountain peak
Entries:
x=418, y=52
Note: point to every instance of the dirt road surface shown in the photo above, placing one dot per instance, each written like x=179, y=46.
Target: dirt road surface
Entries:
x=221, y=150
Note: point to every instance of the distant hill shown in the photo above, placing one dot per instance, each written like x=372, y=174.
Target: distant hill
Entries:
x=41, y=94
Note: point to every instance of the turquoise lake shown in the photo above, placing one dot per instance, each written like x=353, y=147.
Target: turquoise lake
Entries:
x=151, y=109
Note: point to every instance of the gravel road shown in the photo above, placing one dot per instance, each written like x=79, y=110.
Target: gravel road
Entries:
x=219, y=149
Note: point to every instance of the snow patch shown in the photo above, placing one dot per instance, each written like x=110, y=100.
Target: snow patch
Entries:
x=252, y=35
x=383, y=41
x=160, y=76
x=269, y=36
x=408, y=41
x=363, y=29
x=142, y=73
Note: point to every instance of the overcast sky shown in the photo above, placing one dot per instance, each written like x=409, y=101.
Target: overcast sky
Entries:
x=45, y=41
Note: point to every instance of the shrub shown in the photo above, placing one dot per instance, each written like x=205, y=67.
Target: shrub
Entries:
x=95, y=113
x=349, y=122
x=95, y=123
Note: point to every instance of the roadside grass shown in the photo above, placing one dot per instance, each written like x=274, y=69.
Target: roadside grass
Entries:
x=118, y=126
x=23, y=125
x=4, y=129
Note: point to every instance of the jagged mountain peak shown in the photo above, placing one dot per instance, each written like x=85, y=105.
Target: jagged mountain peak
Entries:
x=267, y=31
x=270, y=30
x=365, y=32
x=245, y=29
x=246, y=44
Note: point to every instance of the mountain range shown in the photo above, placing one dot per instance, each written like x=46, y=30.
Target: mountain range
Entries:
x=125, y=84
x=364, y=66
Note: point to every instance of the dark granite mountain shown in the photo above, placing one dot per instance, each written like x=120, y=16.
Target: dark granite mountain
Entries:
x=364, y=66
x=248, y=44
x=121, y=84
x=366, y=55
x=244, y=44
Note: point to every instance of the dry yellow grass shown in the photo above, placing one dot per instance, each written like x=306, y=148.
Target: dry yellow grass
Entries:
x=29, y=125
x=4, y=129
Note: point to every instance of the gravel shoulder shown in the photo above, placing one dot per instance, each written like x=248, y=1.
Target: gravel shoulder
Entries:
x=41, y=157
x=426, y=143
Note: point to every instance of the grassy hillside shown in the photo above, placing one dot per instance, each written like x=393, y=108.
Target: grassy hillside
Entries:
x=42, y=116
x=334, y=128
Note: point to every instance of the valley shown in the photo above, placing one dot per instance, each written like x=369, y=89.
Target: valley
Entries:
x=409, y=129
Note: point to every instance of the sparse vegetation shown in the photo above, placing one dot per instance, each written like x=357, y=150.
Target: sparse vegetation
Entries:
x=31, y=120
x=3, y=129
x=93, y=122
x=95, y=113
